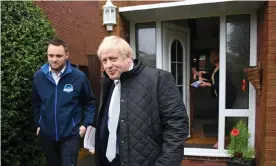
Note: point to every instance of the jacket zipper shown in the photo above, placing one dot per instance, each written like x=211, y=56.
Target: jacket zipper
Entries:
x=56, y=113
x=54, y=82
x=73, y=122
x=39, y=119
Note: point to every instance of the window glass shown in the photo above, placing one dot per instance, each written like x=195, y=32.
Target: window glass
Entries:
x=237, y=59
x=230, y=123
x=177, y=63
x=145, y=43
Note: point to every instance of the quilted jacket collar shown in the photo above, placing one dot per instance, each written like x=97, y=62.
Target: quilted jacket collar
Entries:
x=137, y=68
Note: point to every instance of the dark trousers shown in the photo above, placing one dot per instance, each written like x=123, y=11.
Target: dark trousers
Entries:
x=115, y=162
x=63, y=152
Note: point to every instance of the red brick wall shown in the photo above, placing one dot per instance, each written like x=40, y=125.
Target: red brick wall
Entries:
x=270, y=86
x=261, y=101
x=197, y=162
x=77, y=22
x=266, y=104
x=204, y=161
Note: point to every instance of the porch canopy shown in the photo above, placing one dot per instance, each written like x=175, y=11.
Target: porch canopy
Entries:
x=187, y=9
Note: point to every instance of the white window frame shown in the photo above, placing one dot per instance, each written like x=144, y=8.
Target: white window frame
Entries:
x=250, y=112
x=223, y=112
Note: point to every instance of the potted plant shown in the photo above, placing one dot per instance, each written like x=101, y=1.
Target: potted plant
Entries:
x=239, y=148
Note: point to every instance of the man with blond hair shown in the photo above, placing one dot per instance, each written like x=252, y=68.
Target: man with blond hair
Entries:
x=142, y=120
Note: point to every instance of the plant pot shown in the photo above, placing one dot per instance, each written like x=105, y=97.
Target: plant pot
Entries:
x=233, y=162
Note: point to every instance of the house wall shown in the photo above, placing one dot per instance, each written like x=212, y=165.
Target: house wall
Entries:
x=266, y=103
x=204, y=161
x=77, y=23
x=270, y=151
x=262, y=36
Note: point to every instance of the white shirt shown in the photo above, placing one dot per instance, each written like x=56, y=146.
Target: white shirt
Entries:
x=115, y=81
x=55, y=76
x=131, y=66
x=110, y=111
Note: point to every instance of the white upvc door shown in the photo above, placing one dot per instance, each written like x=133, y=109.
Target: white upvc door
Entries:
x=176, y=58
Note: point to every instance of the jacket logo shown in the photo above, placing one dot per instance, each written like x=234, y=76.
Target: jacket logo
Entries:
x=68, y=88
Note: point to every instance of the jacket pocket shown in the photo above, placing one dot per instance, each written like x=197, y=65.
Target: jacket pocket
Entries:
x=155, y=149
x=153, y=143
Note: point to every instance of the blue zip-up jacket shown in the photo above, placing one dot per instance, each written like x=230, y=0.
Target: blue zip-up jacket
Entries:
x=59, y=110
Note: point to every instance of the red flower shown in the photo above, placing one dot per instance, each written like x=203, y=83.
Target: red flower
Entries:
x=243, y=84
x=235, y=132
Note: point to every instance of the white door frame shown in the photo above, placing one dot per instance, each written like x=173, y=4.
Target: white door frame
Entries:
x=186, y=62
x=250, y=112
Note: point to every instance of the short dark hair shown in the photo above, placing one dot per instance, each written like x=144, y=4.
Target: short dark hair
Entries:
x=56, y=41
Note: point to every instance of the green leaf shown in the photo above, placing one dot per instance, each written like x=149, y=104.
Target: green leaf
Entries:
x=240, y=143
x=25, y=34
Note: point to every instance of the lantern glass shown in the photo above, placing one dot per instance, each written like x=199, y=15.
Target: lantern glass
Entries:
x=109, y=15
x=113, y=16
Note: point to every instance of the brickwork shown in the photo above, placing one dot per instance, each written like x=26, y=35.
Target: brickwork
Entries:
x=260, y=101
x=204, y=161
x=266, y=107
x=270, y=87
x=77, y=23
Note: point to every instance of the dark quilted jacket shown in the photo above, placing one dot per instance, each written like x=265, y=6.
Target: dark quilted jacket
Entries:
x=153, y=119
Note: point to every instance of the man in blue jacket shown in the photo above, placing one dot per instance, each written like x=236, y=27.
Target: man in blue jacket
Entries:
x=63, y=105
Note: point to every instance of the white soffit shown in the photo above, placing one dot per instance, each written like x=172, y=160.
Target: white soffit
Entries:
x=187, y=9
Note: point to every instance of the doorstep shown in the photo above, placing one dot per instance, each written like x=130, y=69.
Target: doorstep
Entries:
x=86, y=159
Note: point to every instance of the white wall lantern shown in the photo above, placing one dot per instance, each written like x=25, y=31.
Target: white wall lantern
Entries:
x=109, y=15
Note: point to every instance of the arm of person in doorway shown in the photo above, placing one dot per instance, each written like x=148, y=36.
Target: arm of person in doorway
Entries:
x=36, y=102
x=174, y=120
x=89, y=104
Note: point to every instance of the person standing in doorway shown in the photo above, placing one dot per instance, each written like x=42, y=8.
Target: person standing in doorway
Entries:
x=213, y=77
x=63, y=106
x=214, y=81
x=141, y=119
